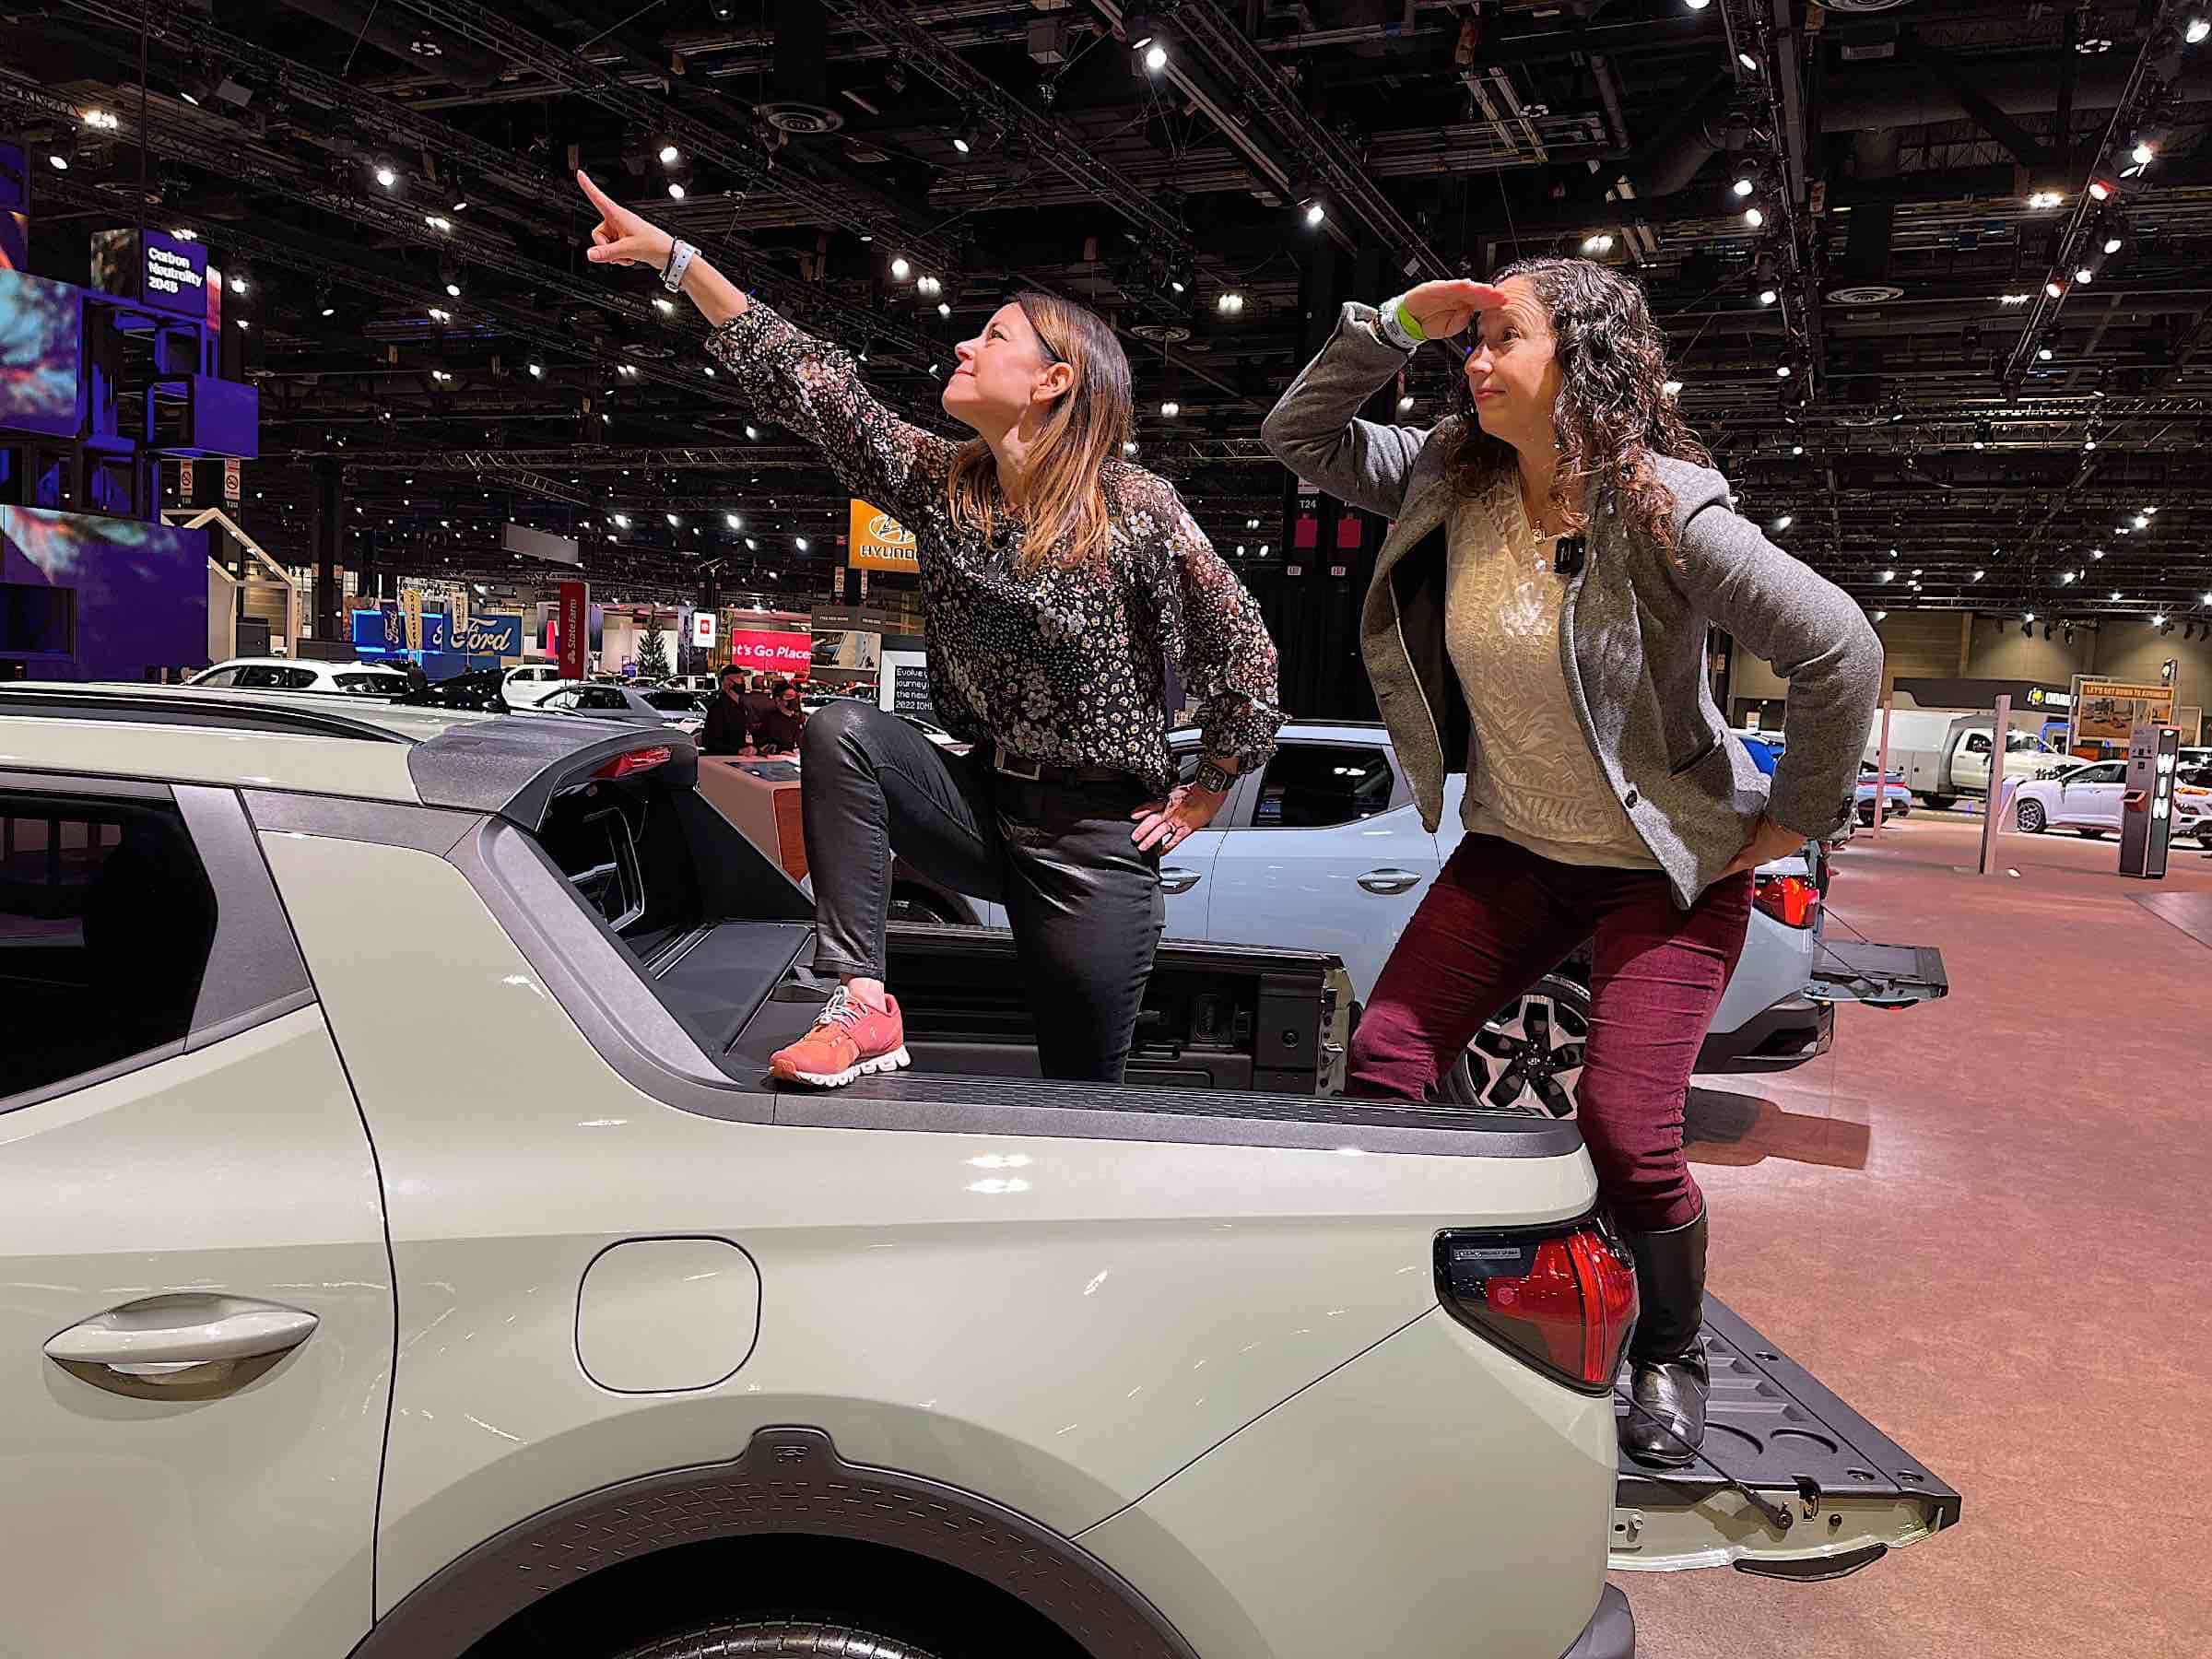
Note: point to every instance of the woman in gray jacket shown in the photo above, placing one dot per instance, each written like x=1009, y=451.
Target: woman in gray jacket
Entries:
x=1539, y=617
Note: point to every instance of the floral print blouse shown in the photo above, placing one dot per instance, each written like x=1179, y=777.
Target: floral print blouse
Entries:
x=1064, y=666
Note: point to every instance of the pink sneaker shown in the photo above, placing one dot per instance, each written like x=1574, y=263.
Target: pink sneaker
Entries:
x=847, y=1041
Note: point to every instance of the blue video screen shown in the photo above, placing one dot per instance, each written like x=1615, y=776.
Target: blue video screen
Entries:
x=41, y=332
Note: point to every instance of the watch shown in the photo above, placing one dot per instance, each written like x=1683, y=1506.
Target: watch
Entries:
x=1399, y=326
x=680, y=255
x=1214, y=778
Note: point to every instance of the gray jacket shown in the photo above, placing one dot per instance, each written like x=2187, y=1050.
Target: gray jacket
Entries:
x=1631, y=631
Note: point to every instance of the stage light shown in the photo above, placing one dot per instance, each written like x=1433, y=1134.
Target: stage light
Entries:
x=1754, y=216
x=1796, y=448
x=1129, y=447
x=1230, y=304
x=2044, y=354
x=674, y=521
x=2112, y=244
x=1170, y=408
x=2042, y=200
x=2096, y=552
x=101, y=121
x=1405, y=406
x=2014, y=299
x=944, y=309
x=2055, y=288
x=2103, y=190
x=1747, y=61
x=1156, y=57
x=1697, y=5
x=900, y=270
x=928, y=286
x=1767, y=295
x=2065, y=578
x=753, y=433
x=439, y=315
x=243, y=323
x=453, y=290
x=538, y=371
x=59, y=162
x=1315, y=214
x=1979, y=574
x=670, y=155
x=676, y=190
x=2159, y=621
x=2141, y=520
x=800, y=543
x=1785, y=521
x=731, y=521
x=2195, y=31
x=437, y=221
x=2084, y=273
x=1887, y=576
x=1881, y=615
x=238, y=285
x=385, y=176
x=1672, y=388
x=1600, y=243
x=1784, y=372
x=962, y=142
x=2144, y=154
x=664, y=306
x=2151, y=511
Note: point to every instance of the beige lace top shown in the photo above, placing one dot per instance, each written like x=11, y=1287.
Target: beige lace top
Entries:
x=1538, y=783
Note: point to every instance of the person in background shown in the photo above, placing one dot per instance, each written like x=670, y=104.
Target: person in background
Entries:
x=780, y=729
x=1059, y=581
x=727, y=730
x=1538, y=618
x=759, y=704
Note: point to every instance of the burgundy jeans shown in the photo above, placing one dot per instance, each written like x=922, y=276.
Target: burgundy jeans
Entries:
x=1496, y=919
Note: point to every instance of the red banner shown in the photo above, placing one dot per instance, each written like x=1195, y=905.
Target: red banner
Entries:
x=575, y=617
x=755, y=649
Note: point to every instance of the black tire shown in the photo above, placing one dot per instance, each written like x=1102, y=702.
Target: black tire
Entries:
x=1528, y=1058
x=2029, y=816
x=1942, y=803
x=2092, y=835
x=777, y=1638
x=911, y=904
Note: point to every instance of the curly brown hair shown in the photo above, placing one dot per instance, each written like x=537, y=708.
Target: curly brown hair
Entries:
x=1613, y=413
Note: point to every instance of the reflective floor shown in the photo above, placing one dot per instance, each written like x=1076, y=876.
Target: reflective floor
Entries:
x=1984, y=1223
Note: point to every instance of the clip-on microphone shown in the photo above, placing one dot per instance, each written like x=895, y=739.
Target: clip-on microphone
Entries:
x=1568, y=555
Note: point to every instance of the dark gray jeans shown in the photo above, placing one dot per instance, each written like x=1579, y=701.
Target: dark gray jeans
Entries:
x=1085, y=905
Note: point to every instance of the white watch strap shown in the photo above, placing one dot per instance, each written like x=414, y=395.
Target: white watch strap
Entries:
x=679, y=261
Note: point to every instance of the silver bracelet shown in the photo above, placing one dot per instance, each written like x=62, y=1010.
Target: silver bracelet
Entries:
x=680, y=255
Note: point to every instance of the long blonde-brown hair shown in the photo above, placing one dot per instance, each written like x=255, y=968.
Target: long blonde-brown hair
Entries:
x=1062, y=506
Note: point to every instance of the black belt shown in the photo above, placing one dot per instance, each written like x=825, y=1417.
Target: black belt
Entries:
x=1009, y=764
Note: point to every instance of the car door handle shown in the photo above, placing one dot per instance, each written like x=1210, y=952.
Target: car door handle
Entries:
x=1390, y=881
x=1174, y=880
x=189, y=1340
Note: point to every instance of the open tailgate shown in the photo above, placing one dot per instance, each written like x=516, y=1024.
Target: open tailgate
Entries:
x=1880, y=976
x=1841, y=1494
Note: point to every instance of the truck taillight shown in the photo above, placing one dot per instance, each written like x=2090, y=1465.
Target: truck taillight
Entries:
x=1563, y=1302
x=636, y=760
x=1791, y=900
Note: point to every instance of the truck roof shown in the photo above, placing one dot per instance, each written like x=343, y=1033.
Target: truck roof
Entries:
x=289, y=740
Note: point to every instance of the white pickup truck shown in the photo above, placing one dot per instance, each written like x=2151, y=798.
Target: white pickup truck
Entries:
x=1942, y=756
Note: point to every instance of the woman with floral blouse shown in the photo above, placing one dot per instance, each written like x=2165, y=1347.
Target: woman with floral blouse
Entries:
x=1058, y=581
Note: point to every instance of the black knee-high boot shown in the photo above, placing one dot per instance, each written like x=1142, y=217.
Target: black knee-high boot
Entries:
x=1668, y=1377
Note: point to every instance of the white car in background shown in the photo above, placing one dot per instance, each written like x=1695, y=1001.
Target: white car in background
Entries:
x=1324, y=849
x=683, y=710
x=524, y=684
x=289, y=673
x=2088, y=800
